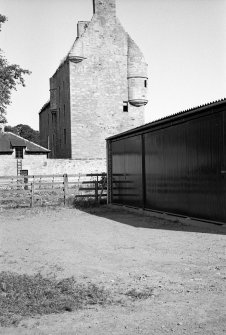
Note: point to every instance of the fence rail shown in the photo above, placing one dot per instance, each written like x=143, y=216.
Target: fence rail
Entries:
x=51, y=189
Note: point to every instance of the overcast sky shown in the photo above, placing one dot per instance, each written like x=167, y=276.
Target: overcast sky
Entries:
x=184, y=43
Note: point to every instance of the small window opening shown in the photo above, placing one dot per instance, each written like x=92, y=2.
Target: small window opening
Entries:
x=65, y=136
x=125, y=106
x=54, y=119
x=145, y=83
x=19, y=152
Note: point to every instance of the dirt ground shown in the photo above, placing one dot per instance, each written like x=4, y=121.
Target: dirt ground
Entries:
x=184, y=264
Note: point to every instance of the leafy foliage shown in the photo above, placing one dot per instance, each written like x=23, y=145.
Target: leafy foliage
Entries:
x=24, y=131
x=3, y=18
x=10, y=77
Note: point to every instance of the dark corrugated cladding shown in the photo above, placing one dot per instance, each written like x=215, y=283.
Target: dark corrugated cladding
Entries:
x=175, y=165
x=128, y=171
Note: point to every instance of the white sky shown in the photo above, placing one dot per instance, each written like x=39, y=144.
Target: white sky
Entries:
x=184, y=43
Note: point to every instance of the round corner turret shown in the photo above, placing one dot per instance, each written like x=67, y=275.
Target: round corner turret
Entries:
x=137, y=76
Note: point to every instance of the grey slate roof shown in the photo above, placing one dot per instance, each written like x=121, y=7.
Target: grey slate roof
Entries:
x=9, y=140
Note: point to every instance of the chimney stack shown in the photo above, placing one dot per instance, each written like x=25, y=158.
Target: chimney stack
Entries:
x=104, y=7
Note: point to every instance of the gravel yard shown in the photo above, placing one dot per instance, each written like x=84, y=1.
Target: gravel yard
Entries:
x=183, y=265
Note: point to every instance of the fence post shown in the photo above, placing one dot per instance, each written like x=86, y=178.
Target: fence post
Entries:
x=65, y=188
x=25, y=183
x=103, y=182
x=96, y=189
x=32, y=194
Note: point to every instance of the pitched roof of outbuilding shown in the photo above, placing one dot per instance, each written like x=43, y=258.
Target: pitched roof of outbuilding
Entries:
x=4, y=143
x=9, y=140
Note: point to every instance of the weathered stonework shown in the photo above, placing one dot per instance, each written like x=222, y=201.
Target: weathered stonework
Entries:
x=41, y=165
x=99, y=89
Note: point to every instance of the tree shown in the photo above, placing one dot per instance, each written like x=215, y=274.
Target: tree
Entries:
x=24, y=131
x=10, y=77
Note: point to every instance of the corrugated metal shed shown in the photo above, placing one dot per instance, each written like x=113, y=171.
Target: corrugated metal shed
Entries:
x=175, y=165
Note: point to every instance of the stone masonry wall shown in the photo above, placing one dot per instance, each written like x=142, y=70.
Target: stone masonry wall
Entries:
x=44, y=120
x=99, y=86
x=59, y=124
x=8, y=165
x=40, y=165
x=89, y=90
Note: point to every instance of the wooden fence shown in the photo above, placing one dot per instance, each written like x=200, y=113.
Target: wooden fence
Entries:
x=51, y=189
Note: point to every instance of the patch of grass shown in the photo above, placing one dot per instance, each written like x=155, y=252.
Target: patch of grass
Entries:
x=25, y=296
x=143, y=294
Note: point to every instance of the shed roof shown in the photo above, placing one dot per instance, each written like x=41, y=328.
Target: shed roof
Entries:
x=10, y=140
x=171, y=117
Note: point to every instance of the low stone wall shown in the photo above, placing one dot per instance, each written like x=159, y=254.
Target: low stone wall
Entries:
x=69, y=166
x=40, y=165
x=8, y=165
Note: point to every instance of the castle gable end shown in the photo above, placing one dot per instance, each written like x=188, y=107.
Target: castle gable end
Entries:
x=100, y=88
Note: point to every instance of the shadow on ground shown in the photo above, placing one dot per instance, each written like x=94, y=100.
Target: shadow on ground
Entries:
x=151, y=220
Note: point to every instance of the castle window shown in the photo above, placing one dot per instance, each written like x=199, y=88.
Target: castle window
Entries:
x=94, y=9
x=54, y=119
x=65, y=136
x=125, y=106
x=19, y=152
x=145, y=83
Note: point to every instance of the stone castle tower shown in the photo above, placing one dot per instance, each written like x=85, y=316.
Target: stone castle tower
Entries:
x=99, y=89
